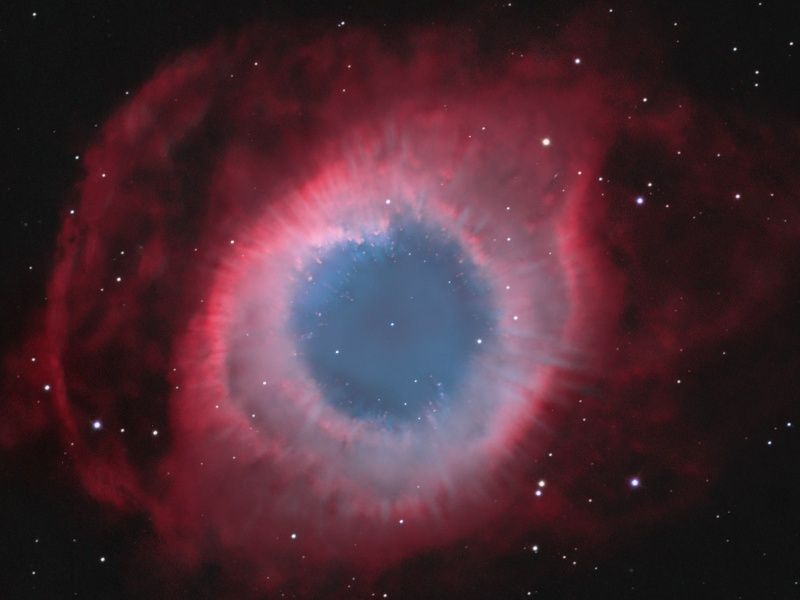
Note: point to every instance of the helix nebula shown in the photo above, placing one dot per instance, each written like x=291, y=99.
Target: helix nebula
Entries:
x=323, y=306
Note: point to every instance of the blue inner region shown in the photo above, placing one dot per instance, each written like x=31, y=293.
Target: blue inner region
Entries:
x=388, y=327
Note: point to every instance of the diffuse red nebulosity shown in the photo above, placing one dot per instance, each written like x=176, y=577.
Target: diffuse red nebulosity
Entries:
x=209, y=192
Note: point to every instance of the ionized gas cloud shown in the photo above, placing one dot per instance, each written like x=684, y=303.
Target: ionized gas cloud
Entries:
x=327, y=305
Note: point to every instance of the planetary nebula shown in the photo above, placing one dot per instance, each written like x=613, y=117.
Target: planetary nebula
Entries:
x=321, y=306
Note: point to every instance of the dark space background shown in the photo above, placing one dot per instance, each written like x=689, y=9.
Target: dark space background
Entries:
x=65, y=66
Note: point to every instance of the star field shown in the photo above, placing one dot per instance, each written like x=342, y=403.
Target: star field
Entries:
x=400, y=301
